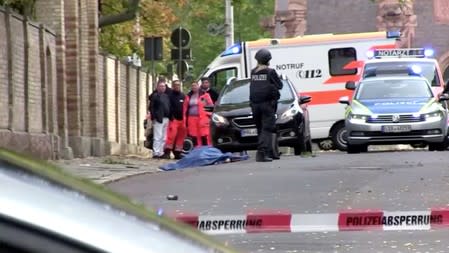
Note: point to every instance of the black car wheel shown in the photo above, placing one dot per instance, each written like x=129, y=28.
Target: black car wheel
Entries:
x=304, y=144
x=339, y=136
x=439, y=146
x=188, y=145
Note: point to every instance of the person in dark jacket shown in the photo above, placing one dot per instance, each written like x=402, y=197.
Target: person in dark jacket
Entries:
x=160, y=113
x=264, y=96
x=205, y=87
x=176, y=127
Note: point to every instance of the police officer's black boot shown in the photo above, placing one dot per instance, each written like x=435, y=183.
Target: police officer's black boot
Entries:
x=274, y=151
x=262, y=157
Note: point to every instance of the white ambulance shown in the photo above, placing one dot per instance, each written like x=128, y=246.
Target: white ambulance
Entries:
x=318, y=65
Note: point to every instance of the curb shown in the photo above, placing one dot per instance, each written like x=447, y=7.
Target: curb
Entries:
x=113, y=180
x=349, y=220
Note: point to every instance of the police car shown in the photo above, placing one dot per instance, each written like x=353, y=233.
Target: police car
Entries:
x=394, y=109
x=396, y=59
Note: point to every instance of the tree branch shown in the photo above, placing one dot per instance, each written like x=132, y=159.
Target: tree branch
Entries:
x=127, y=15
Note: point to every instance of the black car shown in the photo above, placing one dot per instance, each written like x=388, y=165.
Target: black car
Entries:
x=233, y=128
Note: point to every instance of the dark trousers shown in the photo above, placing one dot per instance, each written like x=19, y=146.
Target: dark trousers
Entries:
x=263, y=114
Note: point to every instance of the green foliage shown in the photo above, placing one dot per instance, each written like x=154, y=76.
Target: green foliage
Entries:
x=206, y=46
x=24, y=7
x=159, y=18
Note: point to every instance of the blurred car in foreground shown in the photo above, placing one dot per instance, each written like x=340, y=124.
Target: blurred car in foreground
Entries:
x=42, y=209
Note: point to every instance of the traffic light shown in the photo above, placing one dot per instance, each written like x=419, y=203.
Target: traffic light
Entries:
x=181, y=38
x=153, y=48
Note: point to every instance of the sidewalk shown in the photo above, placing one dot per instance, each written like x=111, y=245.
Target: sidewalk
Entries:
x=107, y=169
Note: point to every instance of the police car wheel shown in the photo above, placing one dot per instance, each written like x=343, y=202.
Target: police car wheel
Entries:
x=438, y=146
x=355, y=149
x=339, y=137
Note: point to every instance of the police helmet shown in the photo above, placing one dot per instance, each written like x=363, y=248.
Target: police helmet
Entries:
x=263, y=56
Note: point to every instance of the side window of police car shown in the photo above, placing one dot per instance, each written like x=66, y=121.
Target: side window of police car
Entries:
x=339, y=58
x=220, y=77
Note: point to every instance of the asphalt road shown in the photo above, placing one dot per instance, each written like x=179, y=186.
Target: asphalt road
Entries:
x=328, y=183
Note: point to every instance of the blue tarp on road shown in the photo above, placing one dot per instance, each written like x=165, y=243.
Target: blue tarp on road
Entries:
x=202, y=156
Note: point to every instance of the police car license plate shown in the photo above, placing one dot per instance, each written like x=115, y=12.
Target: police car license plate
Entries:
x=397, y=128
x=249, y=132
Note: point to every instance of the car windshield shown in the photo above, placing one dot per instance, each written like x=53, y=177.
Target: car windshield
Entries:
x=238, y=92
x=393, y=88
x=427, y=68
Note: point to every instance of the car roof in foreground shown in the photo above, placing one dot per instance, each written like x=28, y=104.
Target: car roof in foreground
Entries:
x=40, y=194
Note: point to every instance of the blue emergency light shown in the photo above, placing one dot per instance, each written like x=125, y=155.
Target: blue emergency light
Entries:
x=370, y=54
x=393, y=34
x=234, y=49
x=414, y=70
x=428, y=52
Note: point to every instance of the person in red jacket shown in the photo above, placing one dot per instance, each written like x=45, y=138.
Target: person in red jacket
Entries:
x=176, y=126
x=196, y=118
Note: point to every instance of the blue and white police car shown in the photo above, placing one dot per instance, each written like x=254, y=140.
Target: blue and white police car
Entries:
x=422, y=59
x=395, y=109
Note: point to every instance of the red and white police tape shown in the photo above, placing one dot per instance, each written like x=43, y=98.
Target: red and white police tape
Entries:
x=351, y=220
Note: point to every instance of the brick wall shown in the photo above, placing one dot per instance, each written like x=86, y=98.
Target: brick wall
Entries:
x=95, y=108
x=111, y=100
x=71, y=19
x=337, y=16
x=51, y=14
x=4, y=82
x=18, y=74
x=142, y=112
x=132, y=112
x=34, y=84
x=84, y=69
x=123, y=104
x=100, y=102
x=49, y=47
x=428, y=32
x=57, y=93
x=23, y=86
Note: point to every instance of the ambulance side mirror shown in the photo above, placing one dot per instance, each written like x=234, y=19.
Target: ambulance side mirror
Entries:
x=304, y=99
x=209, y=108
x=350, y=85
x=344, y=100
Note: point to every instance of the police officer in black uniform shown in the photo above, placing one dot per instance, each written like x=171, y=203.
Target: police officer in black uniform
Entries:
x=264, y=94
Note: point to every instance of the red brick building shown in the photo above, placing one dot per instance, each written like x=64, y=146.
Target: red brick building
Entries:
x=423, y=23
